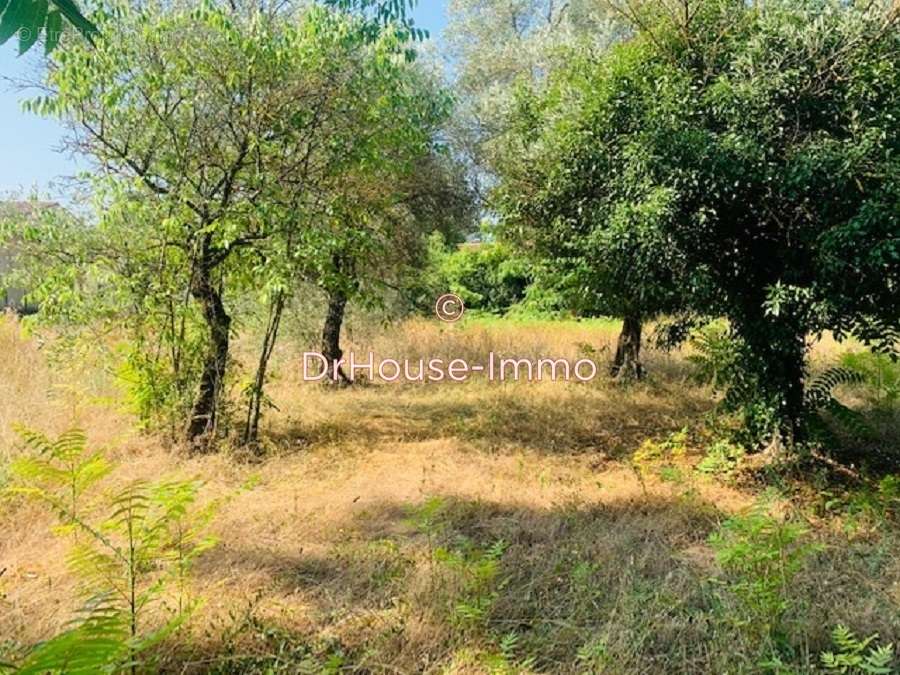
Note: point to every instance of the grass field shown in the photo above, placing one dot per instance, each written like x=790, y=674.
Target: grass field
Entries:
x=473, y=528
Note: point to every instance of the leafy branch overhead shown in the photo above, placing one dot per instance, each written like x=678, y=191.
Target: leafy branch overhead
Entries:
x=27, y=19
x=380, y=14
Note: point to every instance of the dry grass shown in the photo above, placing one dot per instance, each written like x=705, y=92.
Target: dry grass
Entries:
x=367, y=530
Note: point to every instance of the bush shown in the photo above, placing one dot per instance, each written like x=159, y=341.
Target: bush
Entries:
x=488, y=277
x=761, y=555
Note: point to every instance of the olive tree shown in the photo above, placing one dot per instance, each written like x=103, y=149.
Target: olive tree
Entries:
x=384, y=224
x=766, y=137
x=577, y=192
x=492, y=46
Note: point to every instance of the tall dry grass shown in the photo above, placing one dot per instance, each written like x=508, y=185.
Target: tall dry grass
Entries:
x=361, y=530
x=26, y=385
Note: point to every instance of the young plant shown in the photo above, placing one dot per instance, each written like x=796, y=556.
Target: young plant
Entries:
x=661, y=456
x=478, y=571
x=505, y=659
x=857, y=656
x=57, y=471
x=128, y=552
x=473, y=570
x=761, y=556
x=721, y=459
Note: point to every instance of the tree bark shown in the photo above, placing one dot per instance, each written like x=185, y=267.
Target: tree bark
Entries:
x=792, y=364
x=254, y=406
x=331, y=336
x=204, y=414
x=627, y=362
x=778, y=359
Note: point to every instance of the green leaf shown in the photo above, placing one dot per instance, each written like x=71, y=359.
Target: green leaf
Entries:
x=53, y=30
x=11, y=20
x=27, y=18
x=33, y=16
x=76, y=18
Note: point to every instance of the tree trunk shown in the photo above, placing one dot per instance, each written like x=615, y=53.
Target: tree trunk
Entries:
x=254, y=406
x=627, y=362
x=771, y=374
x=778, y=357
x=203, y=416
x=331, y=336
x=792, y=364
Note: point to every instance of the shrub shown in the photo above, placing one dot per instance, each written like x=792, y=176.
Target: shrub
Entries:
x=761, y=555
x=488, y=277
x=128, y=553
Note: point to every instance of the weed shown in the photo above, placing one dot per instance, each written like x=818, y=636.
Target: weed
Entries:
x=594, y=655
x=856, y=656
x=505, y=659
x=478, y=571
x=57, y=471
x=721, y=459
x=761, y=556
x=126, y=554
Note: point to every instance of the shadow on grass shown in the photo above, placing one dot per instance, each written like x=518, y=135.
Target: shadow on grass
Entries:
x=867, y=438
x=621, y=587
x=552, y=418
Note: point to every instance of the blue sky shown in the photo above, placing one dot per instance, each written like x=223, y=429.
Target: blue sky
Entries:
x=29, y=157
x=432, y=15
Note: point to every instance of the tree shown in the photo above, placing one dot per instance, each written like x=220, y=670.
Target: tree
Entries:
x=383, y=225
x=204, y=145
x=371, y=213
x=379, y=15
x=499, y=48
x=391, y=185
x=495, y=45
x=576, y=191
x=770, y=132
x=491, y=277
x=28, y=18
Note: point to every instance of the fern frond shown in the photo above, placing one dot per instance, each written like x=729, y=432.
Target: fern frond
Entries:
x=820, y=391
x=70, y=445
x=34, y=440
x=850, y=419
x=98, y=570
x=37, y=471
x=857, y=656
x=880, y=659
x=95, y=645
